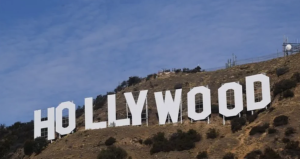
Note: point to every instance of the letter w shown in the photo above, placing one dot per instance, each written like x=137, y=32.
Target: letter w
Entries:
x=168, y=106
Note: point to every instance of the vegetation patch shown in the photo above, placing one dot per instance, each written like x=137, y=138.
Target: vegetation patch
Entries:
x=253, y=154
x=289, y=131
x=272, y=131
x=269, y=153
x=110, y=141
x=178, y=141
x=237, y=124
x=251, y=118
x=228, y=155
x=259, y=129
x=281, y=71
x=202, y=155
x=288, y=94
x=37, y=145
x=212, y=133
x=283, y=85
x=281, y=120
x=285, y=140
x=148, y=141
x=178, y=86
x=296, y=77
x=112, y=152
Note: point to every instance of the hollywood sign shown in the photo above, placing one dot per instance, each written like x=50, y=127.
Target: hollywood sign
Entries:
x=165, y=106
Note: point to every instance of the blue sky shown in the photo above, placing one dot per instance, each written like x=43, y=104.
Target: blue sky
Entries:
x=56, y=51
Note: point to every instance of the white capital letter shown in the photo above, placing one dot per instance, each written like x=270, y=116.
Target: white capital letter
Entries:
x=38, y=124
x=88, y=108
x=265, y=88
x=206, y=103
x=136, y=107
x=238, y=99
x=169, y=106
x=112, y=112
x=72, y=119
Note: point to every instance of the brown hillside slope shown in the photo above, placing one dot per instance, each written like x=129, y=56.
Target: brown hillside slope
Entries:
x=87, y=144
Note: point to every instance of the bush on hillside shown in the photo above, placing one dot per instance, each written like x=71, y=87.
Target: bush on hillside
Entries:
x=251, y=118
x=28, y=147
x=289, y=131
x=150, y=76
x=296, y=77
x=292, y=145
x=288, y=94
x=281, y=120
x=133, y=80
x=140, y=141
x=148, y=141
x=112, y=152
x=269, y=153
x=283, y=85
x=40, y=144
x=281, y=71
x=177, y=70
x=228, y=155
x=99, y=101
x=259, y=129
x=237, y=124
x=272, y=130
x=212, y=133
x=253, y=154
x=110, y=141
x=178, y=86
x=178, y=141
x=202, y=155
x=285, y=140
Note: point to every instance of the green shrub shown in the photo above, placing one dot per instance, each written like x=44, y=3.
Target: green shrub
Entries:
x=148, y=141
x=281, y=120
x=292, y=145
x=288, y=94
x=289, y=131
x=259, y=129
x=40, y=144
x=112, y=152
x=150, y=76
x=212, y=133
x=269, y=153
x=178, y=141
x=178, y=86
x=202, y=155
x=28, y=147
x=272, y=130
x=184, y=140
x=283, y=85
x=285, y=140
x=281, y=71
x=251, y=118
x=177, y=70
x=133, y=80
x=253, y=154
x=296, y=77
x=237, y=124
x=140, y=141
x=110, y=141
x=228, y=155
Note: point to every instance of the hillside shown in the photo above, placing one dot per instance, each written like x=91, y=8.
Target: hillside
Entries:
x=88, y=143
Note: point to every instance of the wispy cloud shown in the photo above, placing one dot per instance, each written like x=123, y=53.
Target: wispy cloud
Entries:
x=79, y=49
